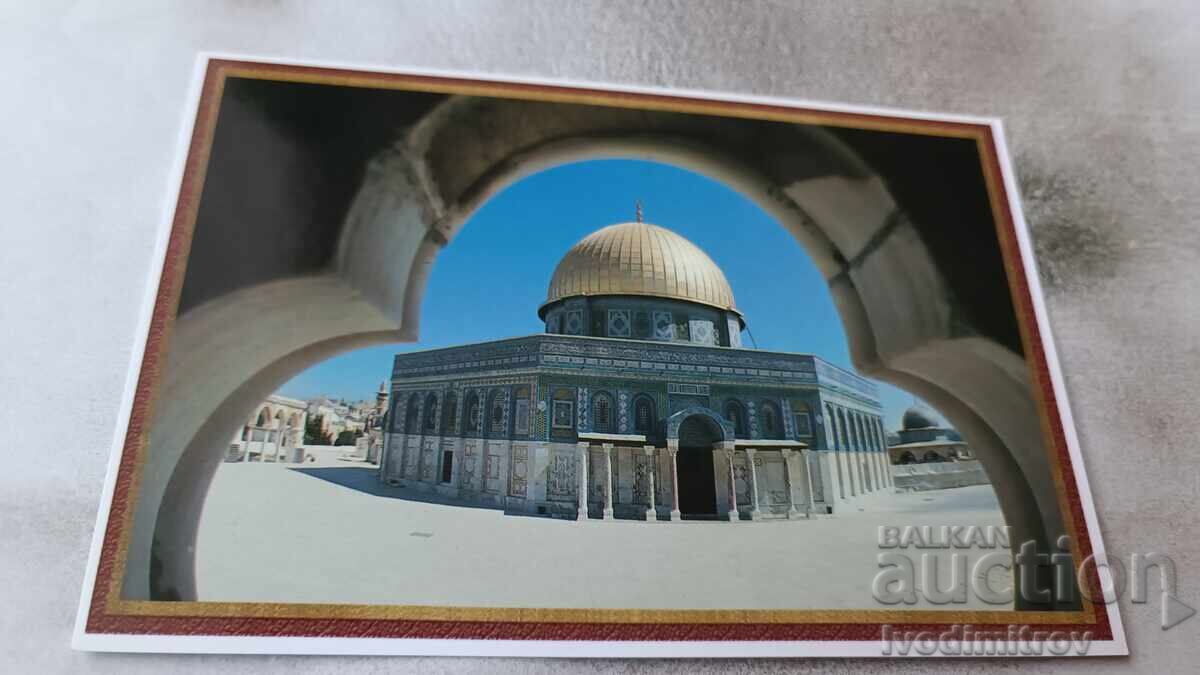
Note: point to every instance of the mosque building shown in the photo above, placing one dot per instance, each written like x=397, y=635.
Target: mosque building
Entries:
x=921, y=440
x=639, y=401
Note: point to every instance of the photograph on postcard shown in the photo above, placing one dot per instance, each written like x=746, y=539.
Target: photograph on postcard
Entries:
x=435, y=357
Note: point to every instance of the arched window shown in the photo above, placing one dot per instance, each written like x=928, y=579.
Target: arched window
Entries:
x=411, y=415
x=736, y=413
x=496, y=414
x=450, y=414
x=397, y=414
x=643, y=415
x=431, y=413
x=263, y=416
x=602, y=413
x=472, y=409
x=772, y=426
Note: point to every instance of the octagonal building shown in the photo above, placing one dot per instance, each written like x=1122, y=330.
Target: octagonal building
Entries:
x=638, y=402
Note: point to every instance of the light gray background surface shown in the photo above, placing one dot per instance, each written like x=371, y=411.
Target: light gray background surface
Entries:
x=1102, y=106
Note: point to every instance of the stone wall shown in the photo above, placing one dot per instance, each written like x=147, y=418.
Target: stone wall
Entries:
x=938, y=476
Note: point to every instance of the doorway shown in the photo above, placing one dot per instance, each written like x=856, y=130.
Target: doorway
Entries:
x=697, y=484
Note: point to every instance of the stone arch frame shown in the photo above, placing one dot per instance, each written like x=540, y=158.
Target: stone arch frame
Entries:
x=889, y=286
x=677, y=419
x=472, y=407
x=412, y=414
x=429, y=413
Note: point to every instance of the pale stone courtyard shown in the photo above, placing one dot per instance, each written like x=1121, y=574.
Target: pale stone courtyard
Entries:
x=331, y=533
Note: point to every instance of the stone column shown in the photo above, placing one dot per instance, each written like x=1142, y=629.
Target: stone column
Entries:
x=754, y=512
x=652, y=511
x=673, y=450
x=608, y=481
x=733, y=509
x=887, y=455
x=283, y=443
x=582, y=471
x=787, y=453
x=810, y=506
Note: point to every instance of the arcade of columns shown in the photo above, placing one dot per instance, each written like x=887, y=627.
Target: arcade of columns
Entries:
x=729, y=451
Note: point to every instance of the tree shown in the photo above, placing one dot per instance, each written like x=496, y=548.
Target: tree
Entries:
x=313, y=434
x=345, y=438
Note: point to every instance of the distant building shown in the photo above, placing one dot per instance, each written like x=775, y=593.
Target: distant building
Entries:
x=922, y=440
x=273, y=433
x=639, y=401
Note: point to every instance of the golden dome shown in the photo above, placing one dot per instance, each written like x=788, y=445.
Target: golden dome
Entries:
x=640, y=259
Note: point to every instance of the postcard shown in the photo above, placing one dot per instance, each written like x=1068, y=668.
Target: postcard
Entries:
x=437, y=363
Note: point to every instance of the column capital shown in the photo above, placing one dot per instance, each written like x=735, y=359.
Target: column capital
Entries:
x=786, y=452
x=583, y=445
x=607, y=447
x=649, y=450
x=751, y=452
x=673, y=445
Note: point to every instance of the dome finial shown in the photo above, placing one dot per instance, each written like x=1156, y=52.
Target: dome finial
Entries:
x=638, y=209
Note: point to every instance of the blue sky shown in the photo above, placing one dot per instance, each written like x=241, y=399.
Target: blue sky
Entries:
x=489, y=281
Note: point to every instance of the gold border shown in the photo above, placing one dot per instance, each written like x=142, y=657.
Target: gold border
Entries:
x=197, y=160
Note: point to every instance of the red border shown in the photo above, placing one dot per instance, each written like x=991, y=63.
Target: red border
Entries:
x=99, y=621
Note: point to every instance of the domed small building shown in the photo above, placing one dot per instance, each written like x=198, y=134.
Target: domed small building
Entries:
x=922, y=440
x=639, y=401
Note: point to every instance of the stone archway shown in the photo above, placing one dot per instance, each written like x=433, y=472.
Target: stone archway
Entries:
x=897, y=293
x=695, y=432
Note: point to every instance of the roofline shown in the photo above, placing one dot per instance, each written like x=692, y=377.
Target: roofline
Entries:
x=659, y=343
x=656, y=343
x=541, y=310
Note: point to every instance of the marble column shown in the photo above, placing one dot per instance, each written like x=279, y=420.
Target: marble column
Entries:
x=582, y=472
x=673, y=451
x=755, y=514
x=608, y=481
x=787, y=454
x=811, y=505
x=732, y=487
x=283, y=443
x=651, y=511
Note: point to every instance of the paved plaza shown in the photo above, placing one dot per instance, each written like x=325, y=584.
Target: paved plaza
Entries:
x=333, y=533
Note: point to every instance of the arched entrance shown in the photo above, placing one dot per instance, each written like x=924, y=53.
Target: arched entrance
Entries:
x=697, y=476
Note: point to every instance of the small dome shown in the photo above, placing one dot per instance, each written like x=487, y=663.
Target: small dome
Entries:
x=915, y=418
x=640, y=259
